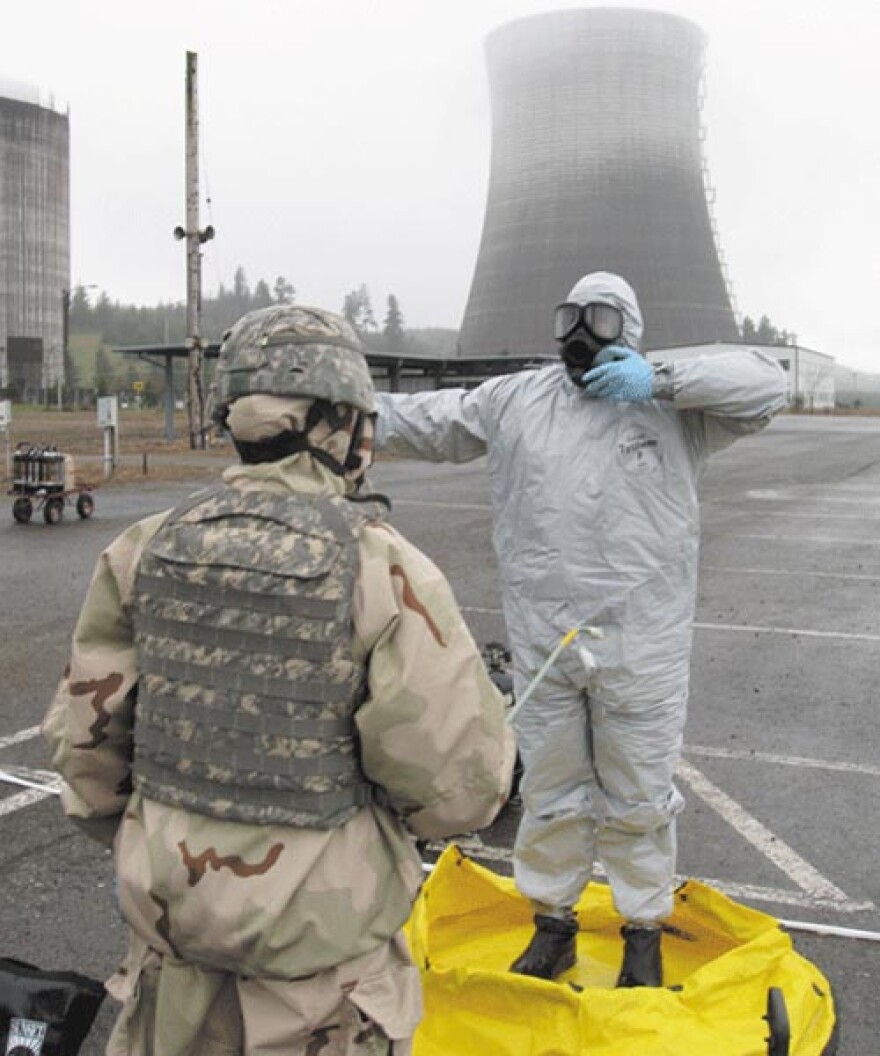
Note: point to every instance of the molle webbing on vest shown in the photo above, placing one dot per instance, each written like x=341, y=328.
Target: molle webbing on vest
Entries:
x=257, y=805
x=277, y=689
x=231, y=640
x=221, y=712
x=242, y=619
x=278, y=605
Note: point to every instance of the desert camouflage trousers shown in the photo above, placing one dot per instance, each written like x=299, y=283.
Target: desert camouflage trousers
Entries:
x=369, y=1006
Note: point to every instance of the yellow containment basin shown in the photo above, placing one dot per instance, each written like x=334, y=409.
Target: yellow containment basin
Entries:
x=722, y=963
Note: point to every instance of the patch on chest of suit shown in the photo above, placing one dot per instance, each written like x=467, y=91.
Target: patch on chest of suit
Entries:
x=639, y=450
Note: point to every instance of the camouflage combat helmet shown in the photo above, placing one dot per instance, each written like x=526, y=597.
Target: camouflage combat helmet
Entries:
x=292, y=350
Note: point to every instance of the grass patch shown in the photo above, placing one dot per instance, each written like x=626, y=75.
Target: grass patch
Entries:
x=141, y=432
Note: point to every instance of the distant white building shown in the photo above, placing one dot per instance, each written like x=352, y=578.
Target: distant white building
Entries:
x=810, y=373
x=856, y=388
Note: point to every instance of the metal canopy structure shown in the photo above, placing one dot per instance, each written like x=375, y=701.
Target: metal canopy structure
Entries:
x=416, y=373
x=393, y=373
x=163, y=356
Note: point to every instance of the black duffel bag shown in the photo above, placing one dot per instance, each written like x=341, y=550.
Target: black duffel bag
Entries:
x=45, y=1013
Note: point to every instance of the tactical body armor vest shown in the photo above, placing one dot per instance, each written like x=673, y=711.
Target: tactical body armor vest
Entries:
x=248, y=688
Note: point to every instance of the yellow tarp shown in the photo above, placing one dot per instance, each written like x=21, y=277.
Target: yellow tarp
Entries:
x=469, y=924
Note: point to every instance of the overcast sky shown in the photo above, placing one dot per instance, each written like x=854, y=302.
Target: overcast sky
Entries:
x=347, y=142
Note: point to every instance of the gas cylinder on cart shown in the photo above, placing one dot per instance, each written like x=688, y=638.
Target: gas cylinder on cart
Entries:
x=20, y=464
x=52, y=467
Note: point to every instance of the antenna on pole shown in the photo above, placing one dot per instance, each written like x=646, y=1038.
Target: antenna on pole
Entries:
x=195, y=400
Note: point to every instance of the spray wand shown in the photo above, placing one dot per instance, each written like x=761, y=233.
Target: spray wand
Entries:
x=586, y=656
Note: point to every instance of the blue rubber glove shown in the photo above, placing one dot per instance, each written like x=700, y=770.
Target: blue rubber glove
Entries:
x=622, y=376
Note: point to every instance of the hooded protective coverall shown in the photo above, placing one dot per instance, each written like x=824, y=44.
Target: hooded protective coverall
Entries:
x=596, y=521
x=271, y=939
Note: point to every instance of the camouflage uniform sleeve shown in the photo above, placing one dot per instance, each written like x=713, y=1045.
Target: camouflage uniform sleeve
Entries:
x=432, y=730
x=88, y=725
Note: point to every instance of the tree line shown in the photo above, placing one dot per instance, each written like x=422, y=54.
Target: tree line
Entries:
x=165, y=323
x=95, y=328
x=765, y=333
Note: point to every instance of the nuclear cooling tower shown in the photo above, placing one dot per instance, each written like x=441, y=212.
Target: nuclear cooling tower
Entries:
x=34, y=239
x=596, y=165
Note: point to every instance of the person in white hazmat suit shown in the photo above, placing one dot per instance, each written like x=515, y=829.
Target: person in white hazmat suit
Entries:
x=594, y=465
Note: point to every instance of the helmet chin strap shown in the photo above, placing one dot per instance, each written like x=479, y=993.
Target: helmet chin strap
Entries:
x=253, y=452
x=291, y=442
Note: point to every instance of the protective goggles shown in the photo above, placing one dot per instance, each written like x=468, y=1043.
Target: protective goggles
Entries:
x=603, y=321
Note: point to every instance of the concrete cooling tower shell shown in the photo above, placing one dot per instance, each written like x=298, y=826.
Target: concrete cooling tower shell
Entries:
x=596, y=166
x=34, y=240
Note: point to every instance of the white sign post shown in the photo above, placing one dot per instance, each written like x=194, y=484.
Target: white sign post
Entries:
x=108, y=419
x=5, y=423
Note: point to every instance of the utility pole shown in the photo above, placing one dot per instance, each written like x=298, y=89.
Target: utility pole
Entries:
x=195, y=402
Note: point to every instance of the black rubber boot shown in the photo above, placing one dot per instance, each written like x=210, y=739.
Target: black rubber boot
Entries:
x=642, y=963
x=552, y=950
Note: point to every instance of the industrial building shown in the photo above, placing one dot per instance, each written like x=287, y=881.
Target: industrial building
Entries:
x=597, y=164
x=34, y=241
x=856, y=389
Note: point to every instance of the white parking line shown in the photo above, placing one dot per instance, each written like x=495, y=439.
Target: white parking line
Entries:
x=739, y=570
x=810, y=881
x=11, y=804
x=801, y=496
x=869, y=489
x=801, y=539
x=782, y=760
x=26, y=777
x=793, y=631
x=804, y=516
x=782, y=896
x=18, y=738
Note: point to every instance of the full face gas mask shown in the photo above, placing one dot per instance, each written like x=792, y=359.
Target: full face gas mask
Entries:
x=583, y=330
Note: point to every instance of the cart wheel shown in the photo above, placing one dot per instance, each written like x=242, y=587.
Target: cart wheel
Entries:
x=22, y=510
x=85, y=506
x=53, y=510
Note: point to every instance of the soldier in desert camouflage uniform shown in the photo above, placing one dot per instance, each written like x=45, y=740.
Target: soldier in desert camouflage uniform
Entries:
x=271, y=693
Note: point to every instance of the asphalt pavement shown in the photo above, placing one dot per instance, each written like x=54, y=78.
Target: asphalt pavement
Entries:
x=781, y=768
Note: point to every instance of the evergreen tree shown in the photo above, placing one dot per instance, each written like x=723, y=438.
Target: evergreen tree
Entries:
x=767, y=333
x=80, y=314
x=262, y=296
x=358, y=309
x=103, y=311
x=350, y=308
x=392, y=327
x=240, y=288
x=368, y=320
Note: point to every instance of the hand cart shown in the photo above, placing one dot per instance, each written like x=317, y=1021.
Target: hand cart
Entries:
x=44, y=478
